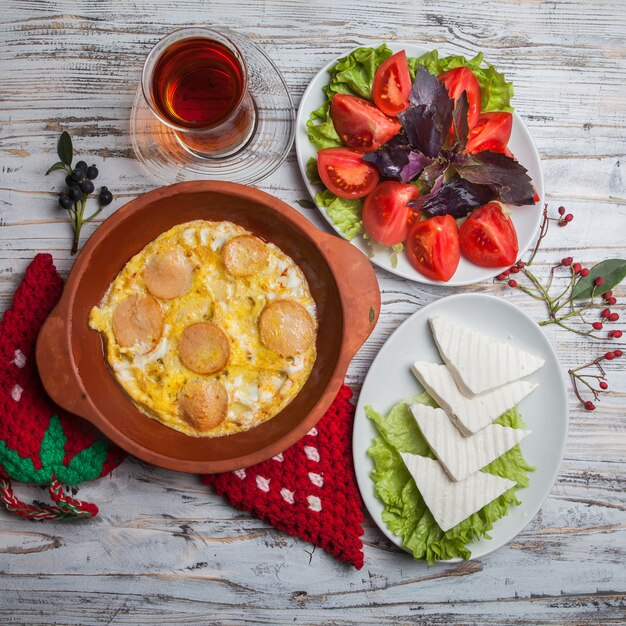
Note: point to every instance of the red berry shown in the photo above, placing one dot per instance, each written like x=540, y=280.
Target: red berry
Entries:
x=612, y=300
x=514, y=270
x=617, y=353
x=561, y=210
x=597, y=325
x=599, y=280
x=568, y=218
x=506, y=273
x=617, y=333
x=577, y=267
x=613, y=317
x=590, y=406
x=605, y=313
x=562, y=223
x=609, y=356
x=607, y=295
x=512, y=283
x=584, y=271
x=500, y=277
x=603, y=385
x=521, y=264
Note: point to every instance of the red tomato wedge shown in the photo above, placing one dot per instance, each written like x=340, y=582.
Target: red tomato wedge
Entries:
x=392, y=85
x=462, y=79
x=359, y=124
x=492, y=132
x=488, y=237
x=433, y=247
x=385, y=213
x=345, y=173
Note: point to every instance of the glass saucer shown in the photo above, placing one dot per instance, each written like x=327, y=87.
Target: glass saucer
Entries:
x=161, y=152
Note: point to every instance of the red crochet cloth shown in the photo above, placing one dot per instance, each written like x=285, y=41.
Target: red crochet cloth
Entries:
x=310, y=490
x=40, y=442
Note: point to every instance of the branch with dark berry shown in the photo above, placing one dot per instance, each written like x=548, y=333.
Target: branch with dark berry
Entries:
x=586, y=290
x=589, y=380
x=80, y=186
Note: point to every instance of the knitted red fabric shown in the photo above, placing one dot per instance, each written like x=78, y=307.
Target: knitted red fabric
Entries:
x=40, y=442
x=309, y=490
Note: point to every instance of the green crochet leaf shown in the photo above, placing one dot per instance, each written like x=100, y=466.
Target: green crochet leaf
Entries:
x=86, y=465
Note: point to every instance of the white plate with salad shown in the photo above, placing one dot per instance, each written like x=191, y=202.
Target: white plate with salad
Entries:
x=435, y=516
x=399, y=185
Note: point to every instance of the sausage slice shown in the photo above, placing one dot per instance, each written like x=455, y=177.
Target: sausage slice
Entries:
x=286, y=327
x=138, y=319
x=203, y=403
x=168, y=274
x=203, y=348
x=244, y=255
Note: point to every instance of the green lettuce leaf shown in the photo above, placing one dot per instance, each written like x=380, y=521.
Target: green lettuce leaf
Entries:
x=322, y=134
x=344, y=213
x=405, y=512
x=496, y=90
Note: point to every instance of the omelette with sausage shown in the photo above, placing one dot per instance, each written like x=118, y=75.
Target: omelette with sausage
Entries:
x=209, y=329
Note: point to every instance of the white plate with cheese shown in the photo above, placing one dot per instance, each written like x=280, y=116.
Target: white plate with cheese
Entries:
x=391, y=380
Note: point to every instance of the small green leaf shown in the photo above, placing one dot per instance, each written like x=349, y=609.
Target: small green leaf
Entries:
x=306, y=204
x=612, y=270
x=395, y=252
x=59, y=165
x=64, y=148
x=311, y=172
x=372, y=315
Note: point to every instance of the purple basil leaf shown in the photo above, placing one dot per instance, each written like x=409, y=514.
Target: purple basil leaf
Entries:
x=458, y=197
x=400, y=163
x=459, y=121
x=416, y=163
x=508, y=177
x=433, y=176
x=427, y=119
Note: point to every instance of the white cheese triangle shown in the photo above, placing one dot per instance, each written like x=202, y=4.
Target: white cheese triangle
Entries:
x=476, y=362
x=451, y=502
x=459, y=455
x=469, y=414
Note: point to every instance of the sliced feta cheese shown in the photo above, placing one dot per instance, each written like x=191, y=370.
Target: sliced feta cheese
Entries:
x=469, y=414
x=449, y=501
x=459, y=455
x=476, y=362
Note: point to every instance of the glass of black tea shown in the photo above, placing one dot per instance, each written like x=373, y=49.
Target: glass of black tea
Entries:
x=195, y=81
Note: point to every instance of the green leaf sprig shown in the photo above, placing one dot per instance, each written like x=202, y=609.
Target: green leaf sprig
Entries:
x=80, y=187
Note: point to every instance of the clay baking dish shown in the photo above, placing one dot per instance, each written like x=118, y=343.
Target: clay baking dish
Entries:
x=71, y=359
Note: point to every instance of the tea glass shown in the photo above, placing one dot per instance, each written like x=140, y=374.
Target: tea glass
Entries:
x=212, y=141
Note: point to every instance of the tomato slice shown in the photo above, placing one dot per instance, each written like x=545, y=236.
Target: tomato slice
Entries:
x=385, y=213
x=462, y=79
x=488, y=237
x=345, y=173
x=492, y=132
x=433, y=247
x=392, y=85
x=359, y=124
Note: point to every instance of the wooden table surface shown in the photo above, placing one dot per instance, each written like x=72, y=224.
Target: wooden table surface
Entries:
x=165, y=550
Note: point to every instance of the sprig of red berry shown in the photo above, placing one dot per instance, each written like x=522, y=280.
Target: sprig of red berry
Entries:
x=587, y=290
x=574, y=301
x=588, y=380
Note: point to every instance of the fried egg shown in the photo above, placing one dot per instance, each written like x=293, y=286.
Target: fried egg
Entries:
x=209, y=329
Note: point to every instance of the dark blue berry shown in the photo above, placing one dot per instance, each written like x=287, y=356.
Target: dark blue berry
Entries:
x=92, y=172
x=81, y=165
x=106, y=197
x=78, y=175
x=87, y=187
x=69, y=181
x=65, y=201
x=75, y=193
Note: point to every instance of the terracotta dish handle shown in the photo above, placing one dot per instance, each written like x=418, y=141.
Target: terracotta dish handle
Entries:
x=59, y=376
x=358, y=289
